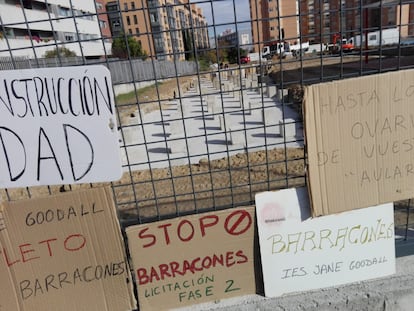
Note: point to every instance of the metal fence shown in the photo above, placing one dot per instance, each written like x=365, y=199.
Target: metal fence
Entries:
x=201, y=127
x=122, y=71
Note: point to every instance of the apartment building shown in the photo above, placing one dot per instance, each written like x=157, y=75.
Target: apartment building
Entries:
x=273, y=20
x=30, y=28
x=166, y=29
x=322, y=19
x=103, y=19
x=130, y=18
x=241, y=38
x=318, y=20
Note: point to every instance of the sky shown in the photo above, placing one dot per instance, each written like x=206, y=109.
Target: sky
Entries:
x=226, y=14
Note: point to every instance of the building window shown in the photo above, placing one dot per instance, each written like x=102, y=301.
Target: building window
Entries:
x=102, y=24
x=135, y=20
x=130, y=31
x=125, y=6
x=137, y=31
x=391, y=16
x=99, y=6
x=64, y=12
x=132, y=5
x=128, y=21
x=69, y=37
x=153, y=17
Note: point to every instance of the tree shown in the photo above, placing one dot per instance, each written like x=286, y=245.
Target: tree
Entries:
x=60, y=51
x=211, y=56
x=233, y=54
x=121, y=50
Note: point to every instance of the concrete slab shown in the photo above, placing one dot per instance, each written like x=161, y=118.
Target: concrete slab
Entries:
x=151, y=141
x=222, y=123
x=271, y=91
x=394, y=293
x=281, y=93
x=237, y=136
x=287, y=128
x=176, y=144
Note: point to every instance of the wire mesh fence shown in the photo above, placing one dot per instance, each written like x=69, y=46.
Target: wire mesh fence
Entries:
x=208, y=93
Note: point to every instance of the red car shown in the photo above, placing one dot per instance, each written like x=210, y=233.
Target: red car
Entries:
x=244, y=59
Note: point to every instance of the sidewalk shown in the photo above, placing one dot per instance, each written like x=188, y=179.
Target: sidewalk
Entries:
x=395, y=293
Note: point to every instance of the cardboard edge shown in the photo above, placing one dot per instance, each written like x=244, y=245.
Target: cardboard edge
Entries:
x=108, y=193
x=307, y=115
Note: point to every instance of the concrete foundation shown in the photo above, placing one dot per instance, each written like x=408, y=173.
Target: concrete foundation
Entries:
x=281, y=93
x=176, y=145
x=236, y=137
x=211, y=101
x=217, y=107
x=271, y=90
x=247, y=107
x=216, y=84
x=287, y=128
x=254, y=84
x=221, y=122
x=176, y=128
x=269, y=117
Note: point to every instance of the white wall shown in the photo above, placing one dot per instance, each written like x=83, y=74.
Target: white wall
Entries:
x=14, y=14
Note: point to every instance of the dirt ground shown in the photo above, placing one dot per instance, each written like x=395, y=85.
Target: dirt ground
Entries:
x=154, y=194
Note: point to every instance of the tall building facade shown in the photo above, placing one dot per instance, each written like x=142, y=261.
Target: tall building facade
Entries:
x=318, y=21
x=241, y=38
x=322, y=19
x=166, y=29
x=130, y=18
x=274, y=20
x=103, y=19
x=30, y=28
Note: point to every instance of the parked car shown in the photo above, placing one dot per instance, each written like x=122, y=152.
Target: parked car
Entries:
x=244, y=59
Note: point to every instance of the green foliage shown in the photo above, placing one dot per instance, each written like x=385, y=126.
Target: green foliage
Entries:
x=210, y=56
x=120, y=48
x=223, y=55
x=206, y=58
x=204, y=64
x=233, y=54
x=61, y=51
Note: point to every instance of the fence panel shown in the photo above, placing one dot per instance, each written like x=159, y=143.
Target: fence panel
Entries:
x=210, y=104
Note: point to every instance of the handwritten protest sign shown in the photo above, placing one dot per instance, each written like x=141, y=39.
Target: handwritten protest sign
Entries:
x=63, y=252
x=57, y=126
x=360, y=138
x=193, y=259
x=300, y=253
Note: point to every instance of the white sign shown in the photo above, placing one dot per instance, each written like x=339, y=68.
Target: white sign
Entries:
x=300, y=253
x=57, y=126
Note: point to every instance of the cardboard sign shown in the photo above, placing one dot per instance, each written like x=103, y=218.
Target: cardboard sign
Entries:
x=63, y=252
x=299, y=255
x=360, y=138
x=57, y=126
x=193, y=259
